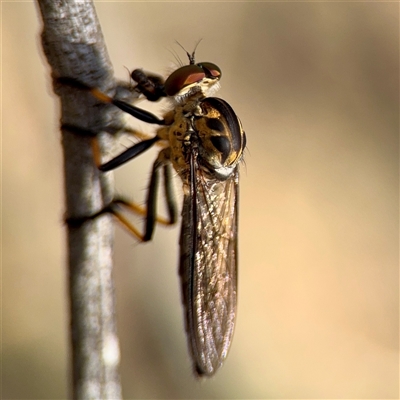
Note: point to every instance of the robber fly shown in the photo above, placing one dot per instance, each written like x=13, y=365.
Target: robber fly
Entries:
x=203, y=141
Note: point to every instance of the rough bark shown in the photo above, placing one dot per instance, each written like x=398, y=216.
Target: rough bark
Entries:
x=74, y=47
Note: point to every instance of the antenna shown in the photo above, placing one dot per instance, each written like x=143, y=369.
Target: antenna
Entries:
x=190, y=56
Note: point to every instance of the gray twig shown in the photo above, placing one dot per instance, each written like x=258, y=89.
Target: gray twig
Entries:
x=74, y=47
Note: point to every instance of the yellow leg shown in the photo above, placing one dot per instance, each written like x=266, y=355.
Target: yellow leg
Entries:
x=139, y=210
x=136, y=209
x=131, y=207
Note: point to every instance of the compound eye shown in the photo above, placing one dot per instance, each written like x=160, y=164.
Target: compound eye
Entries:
x=183, y=77
x=211, y=70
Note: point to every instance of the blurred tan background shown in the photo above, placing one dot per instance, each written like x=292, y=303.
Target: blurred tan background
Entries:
x=316, y=86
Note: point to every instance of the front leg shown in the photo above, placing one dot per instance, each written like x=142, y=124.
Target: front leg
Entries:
x=136, y=112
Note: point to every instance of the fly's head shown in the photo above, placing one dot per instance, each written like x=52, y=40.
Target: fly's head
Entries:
x=201, y=79
x=220, y=137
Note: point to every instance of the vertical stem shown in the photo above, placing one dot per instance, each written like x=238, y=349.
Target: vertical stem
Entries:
x=74, y=46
